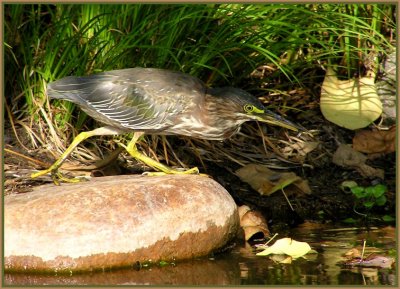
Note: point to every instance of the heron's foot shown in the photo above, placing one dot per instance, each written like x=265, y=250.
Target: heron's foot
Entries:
x=161, y=168
x=57, y=176
x=170, y=171
x=192, y=171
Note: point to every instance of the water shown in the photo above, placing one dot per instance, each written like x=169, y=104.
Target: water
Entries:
x=242, y=267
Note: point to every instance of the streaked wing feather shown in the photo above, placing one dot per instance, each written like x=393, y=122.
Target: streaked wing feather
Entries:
x=136, y=98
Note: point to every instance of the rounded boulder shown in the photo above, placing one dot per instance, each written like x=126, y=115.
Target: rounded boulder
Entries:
x=112, y=222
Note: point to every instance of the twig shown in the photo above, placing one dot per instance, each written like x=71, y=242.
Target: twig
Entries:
x=27, y=158
x=284, y=194
x=163, y=141
x=12, y=125
x=273, y=237
x=196, y=152
x=362, y=253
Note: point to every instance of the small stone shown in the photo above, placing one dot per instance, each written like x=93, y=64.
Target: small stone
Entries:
x=116, y=221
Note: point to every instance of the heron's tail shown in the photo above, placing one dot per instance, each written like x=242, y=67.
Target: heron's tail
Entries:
x=73, y=88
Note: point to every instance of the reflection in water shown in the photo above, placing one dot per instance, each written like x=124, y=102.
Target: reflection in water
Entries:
x=242, y=267
x=196, y=272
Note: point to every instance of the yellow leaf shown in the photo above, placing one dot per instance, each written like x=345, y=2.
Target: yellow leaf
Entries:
x=352, y=103
x=288, y=247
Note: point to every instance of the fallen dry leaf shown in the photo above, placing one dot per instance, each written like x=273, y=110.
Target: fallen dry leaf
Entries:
x=346, y=156
x=252, y=222
x=243, y=210
x=373, y=260
x=375, y=141
x=266, y=181
x=352, y=103
x=352, y=253
x=287, y=246
x=301, y=148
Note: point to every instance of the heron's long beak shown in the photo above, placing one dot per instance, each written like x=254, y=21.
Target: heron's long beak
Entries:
x=272, y=118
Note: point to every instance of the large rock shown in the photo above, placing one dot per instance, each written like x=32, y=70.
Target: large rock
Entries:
x=116, y=221
x=386, y=87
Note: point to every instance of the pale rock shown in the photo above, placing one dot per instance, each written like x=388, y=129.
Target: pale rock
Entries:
x=116, y=221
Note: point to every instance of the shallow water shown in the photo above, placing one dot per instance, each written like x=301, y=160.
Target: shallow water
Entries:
x=241, y=267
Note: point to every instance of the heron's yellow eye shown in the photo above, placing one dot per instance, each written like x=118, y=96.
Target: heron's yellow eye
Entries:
x=248, y=108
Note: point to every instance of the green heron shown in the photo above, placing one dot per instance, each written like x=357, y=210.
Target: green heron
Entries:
x=157, y=101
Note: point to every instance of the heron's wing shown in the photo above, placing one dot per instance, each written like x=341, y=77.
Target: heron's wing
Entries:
x=136, y=98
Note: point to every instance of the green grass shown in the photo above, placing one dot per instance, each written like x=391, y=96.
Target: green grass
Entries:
x=220, y=43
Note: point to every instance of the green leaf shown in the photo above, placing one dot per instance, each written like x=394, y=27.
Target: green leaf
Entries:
x=380, y=201
x=349, y=221
x=358, y=192
x=347, y=185
x=388, y=218
x=368, y=204
x=379, y=190
x=369, y=192
x=163, y=263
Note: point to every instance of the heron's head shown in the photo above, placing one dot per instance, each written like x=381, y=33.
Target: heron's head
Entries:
x=239, y=106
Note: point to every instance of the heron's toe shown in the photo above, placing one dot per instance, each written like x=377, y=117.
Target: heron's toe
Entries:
x=192, y=171
x=58, y=177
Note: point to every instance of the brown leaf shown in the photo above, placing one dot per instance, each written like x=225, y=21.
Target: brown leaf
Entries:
x=266, y=181
x=346, y=156
x=252, y=222
x=352, y=253
x=375, y=141
x=373, y=260
x=302, y=186
x=302, y=148
x=243, y=210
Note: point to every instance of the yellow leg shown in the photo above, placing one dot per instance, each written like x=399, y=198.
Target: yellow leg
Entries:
x=53, y=169
x=132, y=150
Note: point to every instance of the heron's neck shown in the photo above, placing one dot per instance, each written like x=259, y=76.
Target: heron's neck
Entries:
x=214, y=119
x=219, y=117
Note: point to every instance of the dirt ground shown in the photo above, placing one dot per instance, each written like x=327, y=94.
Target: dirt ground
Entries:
x=328, y=202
